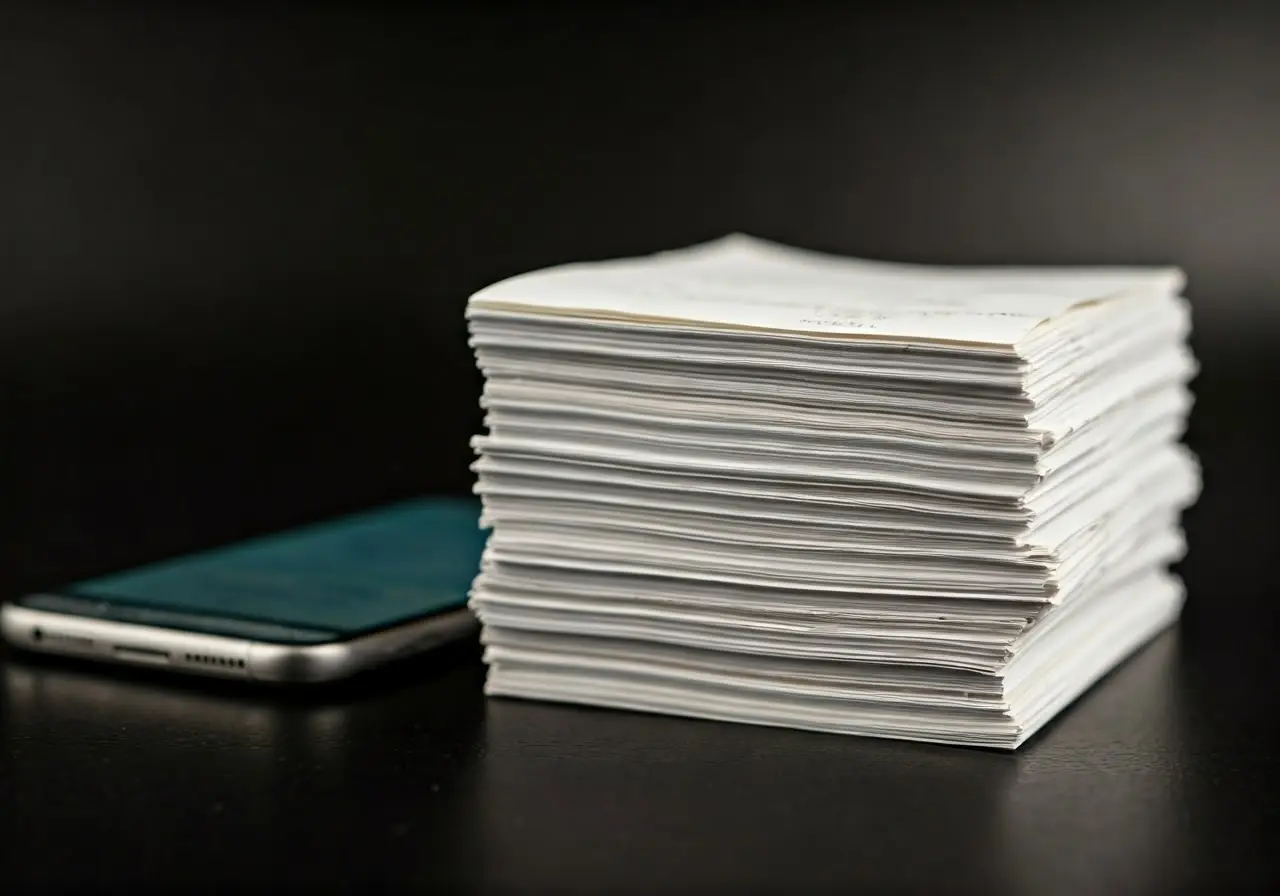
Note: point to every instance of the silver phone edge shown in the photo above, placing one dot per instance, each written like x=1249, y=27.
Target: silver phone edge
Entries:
x=220, y=656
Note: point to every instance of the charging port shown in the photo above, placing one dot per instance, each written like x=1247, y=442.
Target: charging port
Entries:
x=141, y=654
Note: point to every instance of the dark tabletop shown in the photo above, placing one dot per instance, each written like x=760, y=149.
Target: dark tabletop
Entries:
x=1161, y=778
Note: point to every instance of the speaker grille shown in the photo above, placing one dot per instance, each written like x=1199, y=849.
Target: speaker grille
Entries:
x=204, y=659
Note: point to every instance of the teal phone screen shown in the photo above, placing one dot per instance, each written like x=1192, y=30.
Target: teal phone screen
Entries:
x=328, y=581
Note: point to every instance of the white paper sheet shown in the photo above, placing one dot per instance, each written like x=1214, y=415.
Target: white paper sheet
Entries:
x=742, y=282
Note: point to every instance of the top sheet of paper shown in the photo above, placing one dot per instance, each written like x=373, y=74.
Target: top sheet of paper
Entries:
x=742, y=282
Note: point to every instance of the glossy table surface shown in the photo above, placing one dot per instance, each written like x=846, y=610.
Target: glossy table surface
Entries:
x=1160, y=779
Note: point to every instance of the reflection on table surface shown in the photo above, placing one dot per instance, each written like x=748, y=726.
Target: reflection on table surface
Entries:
x=1080, y=807
x=109, y=775
x=432, y=784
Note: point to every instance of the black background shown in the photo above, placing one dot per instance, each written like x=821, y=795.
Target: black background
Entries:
x=235, y=246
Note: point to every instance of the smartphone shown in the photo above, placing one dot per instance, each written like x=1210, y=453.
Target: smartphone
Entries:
x=309, y=605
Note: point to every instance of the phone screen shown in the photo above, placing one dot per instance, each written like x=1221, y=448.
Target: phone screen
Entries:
x=326, y=582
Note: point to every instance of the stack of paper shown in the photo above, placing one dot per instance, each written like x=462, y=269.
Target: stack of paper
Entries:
x=754, y=483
